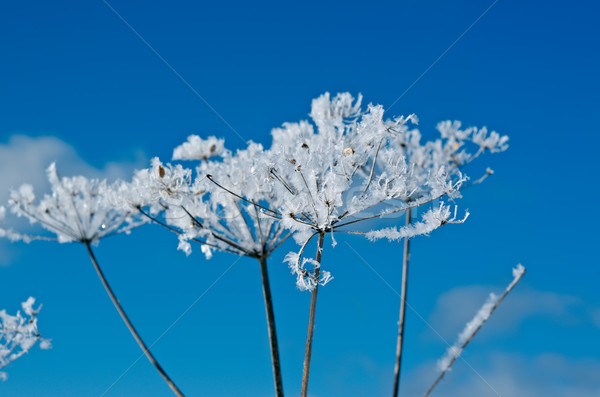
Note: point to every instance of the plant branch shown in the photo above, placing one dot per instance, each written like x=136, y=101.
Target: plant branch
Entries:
x=130, y=326
x=373, y=168
x=158, y=222
x=400, y=341
x=311, y=318
x=271, y=326
x=416, y=204
x=268, y=210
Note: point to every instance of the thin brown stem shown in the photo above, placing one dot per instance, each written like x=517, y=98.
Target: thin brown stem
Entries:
x=311, y=319
x=382, y=214
x=271, y=326
x=488, y=172
x=373, y=168
x=268, y=211
x=172, y=229
x=312, y=200
x=400, y=341
x=130, y=326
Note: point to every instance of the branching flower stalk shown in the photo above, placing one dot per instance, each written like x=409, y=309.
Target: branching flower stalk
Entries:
x=78, y=210
x=472, y=327
x=345, y=173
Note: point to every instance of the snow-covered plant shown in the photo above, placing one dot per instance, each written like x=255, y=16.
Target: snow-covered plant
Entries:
x=80, y=210
x=327, y=179
x=18, y=334
x=348, y=170
x=473, y=326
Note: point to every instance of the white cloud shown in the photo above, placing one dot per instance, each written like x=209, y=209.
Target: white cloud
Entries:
x=457, y=306
x=548, y=375
x=24, y=159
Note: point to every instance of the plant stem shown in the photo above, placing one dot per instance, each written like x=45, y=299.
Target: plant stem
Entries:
x=271, y=326
x=136, y=336
x=311, y=319
x=405, y=257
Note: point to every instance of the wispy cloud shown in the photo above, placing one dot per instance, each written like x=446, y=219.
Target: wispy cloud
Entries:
x=455, y=307
x=547, y=374
x=24, y=159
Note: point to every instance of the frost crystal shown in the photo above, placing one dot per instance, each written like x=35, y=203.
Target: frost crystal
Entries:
x=18, y=334
x=78, y=209
x=197, y=148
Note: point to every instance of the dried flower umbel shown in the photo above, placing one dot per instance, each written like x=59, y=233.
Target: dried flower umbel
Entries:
x=80, y=210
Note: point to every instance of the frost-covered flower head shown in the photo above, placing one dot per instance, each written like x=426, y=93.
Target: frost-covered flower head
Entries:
x=78, y=209
x=207, y=209
x=345, y=167
x=236, y=201
x=154, y=187
x=197, y=148
x=18, y=334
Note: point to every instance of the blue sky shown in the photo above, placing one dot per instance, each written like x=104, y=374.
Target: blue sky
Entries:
x=80, y=88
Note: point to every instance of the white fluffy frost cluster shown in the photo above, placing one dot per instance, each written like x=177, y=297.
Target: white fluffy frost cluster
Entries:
x=431, y=220
x=197, y=148
x=78, y=209
x=346, y=165
x=18, y=334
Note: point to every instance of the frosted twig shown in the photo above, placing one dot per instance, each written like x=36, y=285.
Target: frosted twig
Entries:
x=473, y=327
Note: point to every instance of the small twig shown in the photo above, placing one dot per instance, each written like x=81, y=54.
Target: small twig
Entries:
x=274, y=247
x=372, y=168
x=485, y=176
x=280, y=179
x=311, y=318
x=312, y=200
x=459, y=350
x=268, y=210
x=417, y=204
x=196, y=240
x=303, y=247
